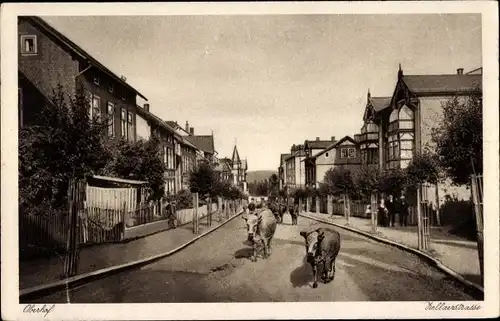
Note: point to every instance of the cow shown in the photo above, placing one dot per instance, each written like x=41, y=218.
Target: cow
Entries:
x=322, y=247
x=260, y=230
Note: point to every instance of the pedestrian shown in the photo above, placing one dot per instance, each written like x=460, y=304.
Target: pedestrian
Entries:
x=368, y=211
x=390, y=206
x=382, y=213
x=403, y=211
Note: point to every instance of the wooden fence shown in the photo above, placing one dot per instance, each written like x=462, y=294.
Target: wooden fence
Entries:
x=42, y=234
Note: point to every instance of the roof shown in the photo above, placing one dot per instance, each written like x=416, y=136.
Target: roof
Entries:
x=318, y=144
x=379, y=103
x=202, y=142
x=236, y=155
x=424, y=84
x=119, y=180
x=70, y=45
x=284, y=157
x=157, y=120
x=224, y=164
x=334, y=145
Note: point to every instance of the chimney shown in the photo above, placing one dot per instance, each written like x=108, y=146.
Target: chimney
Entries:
x=191, y=131
x=317, y=139
x=460, y=71
x=146, y=107
x=333, y=138
x=187, y=126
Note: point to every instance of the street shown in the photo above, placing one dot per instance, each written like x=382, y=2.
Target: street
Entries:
x=217, y=268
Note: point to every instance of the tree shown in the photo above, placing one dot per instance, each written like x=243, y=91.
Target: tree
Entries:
x=367, y=179
x=424, y=168
x=203, y=179
x=339, y=180
x=459, y=138
x=64, y=144
x=263, y=188
x=273, y=186
x=392, y=181
x=139, y=160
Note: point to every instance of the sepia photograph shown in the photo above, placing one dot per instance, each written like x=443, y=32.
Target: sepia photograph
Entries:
x=250, y=157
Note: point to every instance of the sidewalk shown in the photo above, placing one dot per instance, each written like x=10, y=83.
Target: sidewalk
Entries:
x=458, y=254
x=46, y=270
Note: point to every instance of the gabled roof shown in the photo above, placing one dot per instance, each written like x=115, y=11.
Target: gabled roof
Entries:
x=379, y=103
x=203, y=142
x=335, y=145
x=74, y=48
x=427, y=84
x=317, y=144
x=236, y=155
x=225, y=164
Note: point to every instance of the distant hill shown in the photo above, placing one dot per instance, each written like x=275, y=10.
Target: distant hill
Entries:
x=259, y=175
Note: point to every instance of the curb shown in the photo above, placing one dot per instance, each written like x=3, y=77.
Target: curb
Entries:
x=474, y=289
x=77, y=280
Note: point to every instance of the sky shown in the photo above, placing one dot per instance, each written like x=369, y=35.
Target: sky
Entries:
x=269, y=81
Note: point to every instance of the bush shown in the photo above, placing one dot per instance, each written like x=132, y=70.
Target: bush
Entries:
x=64, y=144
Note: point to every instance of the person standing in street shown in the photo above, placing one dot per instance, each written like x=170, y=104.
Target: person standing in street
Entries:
x=403, y=211
x=389, y=204
x=382, y=213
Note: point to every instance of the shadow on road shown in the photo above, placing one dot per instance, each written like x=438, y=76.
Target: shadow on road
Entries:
x=303, y=276
x=244, y=253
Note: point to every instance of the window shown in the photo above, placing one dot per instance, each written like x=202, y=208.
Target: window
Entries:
x=96, y=80
x=96, y=107
x=394, y=116
x=111, y=119
x=28, y=45
x=124, y=95
x=326, y=154
x=124, y=123
x=347, y=152
x=110, y=88
x=130, y=127
x=406, y=118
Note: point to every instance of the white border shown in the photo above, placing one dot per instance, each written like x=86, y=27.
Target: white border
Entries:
x=12, y=310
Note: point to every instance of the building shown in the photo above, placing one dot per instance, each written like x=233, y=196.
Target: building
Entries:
x=345, y=153
x=311, y=148
x=415, y=109
x=369, y=137
x=48, y=59
x=239, y=169
x=178, y=154
x=204, y=143
x=281, y=170
x=224, y=168
x=295, y=168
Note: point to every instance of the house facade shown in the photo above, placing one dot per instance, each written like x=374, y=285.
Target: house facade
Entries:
x=47, y=59
x=295, y=168
x=311, y=148
x=345, y=152
x=281, y=170
x=369, y=137
x=415, y=108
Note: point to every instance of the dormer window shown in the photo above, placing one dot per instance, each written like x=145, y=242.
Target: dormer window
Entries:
x=111, y=88
x=28, y=45
x=96, y=80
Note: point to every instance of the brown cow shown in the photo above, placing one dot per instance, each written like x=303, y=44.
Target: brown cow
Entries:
x=322, y=246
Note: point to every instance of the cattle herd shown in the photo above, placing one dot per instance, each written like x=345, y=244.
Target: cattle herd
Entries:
x=322, y=244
